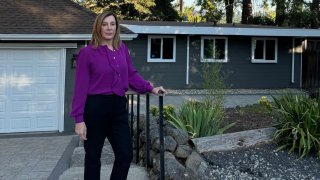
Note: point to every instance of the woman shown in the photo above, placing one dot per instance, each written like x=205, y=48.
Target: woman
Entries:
x=103, y=75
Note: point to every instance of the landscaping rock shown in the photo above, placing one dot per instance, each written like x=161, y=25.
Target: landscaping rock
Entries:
x=234, y=141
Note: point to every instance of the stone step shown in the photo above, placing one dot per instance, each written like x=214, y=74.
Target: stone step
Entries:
x=77, y=159
x=135, y=173
x=106, y=142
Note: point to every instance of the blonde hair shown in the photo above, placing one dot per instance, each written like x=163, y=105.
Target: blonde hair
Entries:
x=96, y=31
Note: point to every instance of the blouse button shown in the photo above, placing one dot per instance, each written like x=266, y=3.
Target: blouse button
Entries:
x=114, y=57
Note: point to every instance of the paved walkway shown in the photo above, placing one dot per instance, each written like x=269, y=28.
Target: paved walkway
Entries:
x=45, y=156
x=32, y=158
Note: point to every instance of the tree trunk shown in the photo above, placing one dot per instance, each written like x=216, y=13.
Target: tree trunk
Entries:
x=280, y=12
x=229, y=10
x=315, y=14
x=246, y=17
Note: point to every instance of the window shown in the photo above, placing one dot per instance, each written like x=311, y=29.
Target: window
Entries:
x=214, y=49
x=161, y=49
x=264, y=50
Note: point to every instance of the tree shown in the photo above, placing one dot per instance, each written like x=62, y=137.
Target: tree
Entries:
x=164, y=11
x=296, y=13
x=246, y=17
x=315, y=14
x=280, y=12
x=209, y=11
x=229, y=10
x=191, y=14
x=125, y=9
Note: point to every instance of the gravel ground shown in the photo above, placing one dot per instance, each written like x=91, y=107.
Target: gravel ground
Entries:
x=261, y=163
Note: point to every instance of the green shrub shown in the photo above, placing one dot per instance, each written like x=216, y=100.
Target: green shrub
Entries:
x=298, y=123
x=167, y=109
x=265, y=102
x=198, y=119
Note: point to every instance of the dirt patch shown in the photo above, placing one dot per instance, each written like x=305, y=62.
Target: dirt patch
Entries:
x=247, y=118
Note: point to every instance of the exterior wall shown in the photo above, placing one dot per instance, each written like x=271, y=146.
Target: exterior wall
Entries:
x=69, y=86
x=244, y=74
x=168, y=74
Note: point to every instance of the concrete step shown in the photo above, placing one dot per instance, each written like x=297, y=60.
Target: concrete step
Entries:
x=135, y=173
x=77, y=159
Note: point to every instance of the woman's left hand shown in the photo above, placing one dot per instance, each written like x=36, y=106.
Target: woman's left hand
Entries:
x=159, y=91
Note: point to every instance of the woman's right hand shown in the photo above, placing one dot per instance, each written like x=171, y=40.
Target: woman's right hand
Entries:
x=81, y=130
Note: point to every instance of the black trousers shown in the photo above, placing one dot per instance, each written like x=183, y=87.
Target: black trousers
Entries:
x=106, y=116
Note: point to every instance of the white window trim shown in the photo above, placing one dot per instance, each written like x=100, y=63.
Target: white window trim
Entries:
x=202, y=59
x=160, y=59
x=264, y=51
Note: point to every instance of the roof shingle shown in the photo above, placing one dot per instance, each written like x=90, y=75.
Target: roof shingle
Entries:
x=44, y=17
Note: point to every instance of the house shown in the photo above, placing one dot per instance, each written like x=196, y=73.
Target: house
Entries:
x=39, y=40
x=172, y=54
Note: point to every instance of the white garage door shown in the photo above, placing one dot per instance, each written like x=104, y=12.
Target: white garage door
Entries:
x=29, y=90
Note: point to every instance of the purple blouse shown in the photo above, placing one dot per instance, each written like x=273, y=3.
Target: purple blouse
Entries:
x=104, y=71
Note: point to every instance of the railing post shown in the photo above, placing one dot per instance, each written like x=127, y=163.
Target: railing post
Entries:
x=131, y=115
x=138, y=128
x=127, y=107
x=148, y=163
x=161, y=138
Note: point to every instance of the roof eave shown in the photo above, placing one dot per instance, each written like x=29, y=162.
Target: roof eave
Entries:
x=183, y=30
x=56, y=37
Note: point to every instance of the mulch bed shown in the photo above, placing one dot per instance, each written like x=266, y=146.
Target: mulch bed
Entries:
x=246, y=119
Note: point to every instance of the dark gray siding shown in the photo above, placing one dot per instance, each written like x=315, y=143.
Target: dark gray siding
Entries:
x=70, y=77
x=169, y=75
x=244, y=74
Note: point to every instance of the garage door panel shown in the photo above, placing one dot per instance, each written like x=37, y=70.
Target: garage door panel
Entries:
x=47, y=89
x=49, y=55
x=45, y=72
x=46, y=106
x=3, y=79
x=48, y=80
x=21, y=106
x=20, y=123
x=3, y=56
x=2, y=106
x=2, y=122
x=45, y=121
x=22, y=55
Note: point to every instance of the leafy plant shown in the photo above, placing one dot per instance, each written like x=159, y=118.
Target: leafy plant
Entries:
x=299, y=123
x=167, y=109
x=198, y=119
x=240, y=111
x=265, y=102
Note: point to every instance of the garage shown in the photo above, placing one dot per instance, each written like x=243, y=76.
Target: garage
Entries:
x=31, y=89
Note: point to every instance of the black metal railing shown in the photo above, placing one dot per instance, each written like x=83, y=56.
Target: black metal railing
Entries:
x=130, y=108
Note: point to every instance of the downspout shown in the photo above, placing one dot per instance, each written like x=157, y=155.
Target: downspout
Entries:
x=187, y=70
x=292, y=60
x=303, y=47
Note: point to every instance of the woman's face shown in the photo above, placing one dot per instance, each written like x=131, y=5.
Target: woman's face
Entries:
x=108, y=28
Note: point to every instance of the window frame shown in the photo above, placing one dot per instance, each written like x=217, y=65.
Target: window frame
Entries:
x=149, y=59
x=202, y=59
x=253, y=60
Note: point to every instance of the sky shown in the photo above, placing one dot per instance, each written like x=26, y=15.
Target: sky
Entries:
x=189, y=2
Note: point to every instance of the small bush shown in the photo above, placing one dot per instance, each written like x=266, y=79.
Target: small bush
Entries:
x=298, y=123
x=167, y=109
x=198, y=119
x=265, y=102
